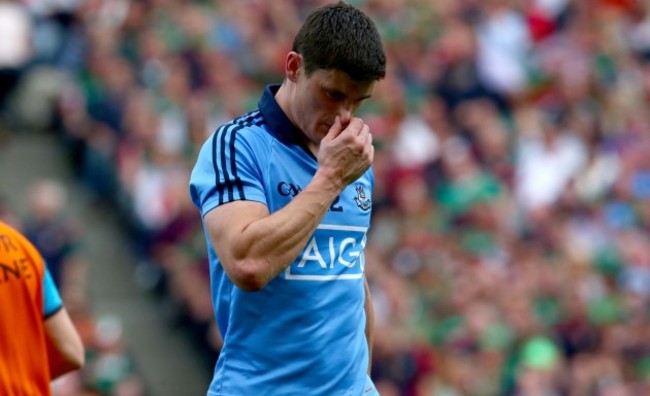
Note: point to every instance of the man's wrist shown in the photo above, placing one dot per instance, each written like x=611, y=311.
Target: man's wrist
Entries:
x=327, y=183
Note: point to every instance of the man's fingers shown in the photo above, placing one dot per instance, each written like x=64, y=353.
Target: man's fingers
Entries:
x=354, y=127
x=364, y=131
x=335, y=129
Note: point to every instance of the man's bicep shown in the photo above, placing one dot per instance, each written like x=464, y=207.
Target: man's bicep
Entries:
x=226, y=224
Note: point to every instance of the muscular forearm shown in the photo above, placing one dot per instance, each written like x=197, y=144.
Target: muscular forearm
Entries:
x=268, y=245
x=254, y=246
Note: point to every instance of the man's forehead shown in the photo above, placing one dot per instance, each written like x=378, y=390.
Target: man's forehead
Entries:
x=341, y=81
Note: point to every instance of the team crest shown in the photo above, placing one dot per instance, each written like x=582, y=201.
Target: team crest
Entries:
x=361, y=199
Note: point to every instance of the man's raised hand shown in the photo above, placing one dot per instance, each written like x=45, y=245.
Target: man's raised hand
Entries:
x=346, y=153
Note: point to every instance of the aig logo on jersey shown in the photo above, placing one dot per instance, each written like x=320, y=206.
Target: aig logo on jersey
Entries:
x=361, y=199
x=333, y=253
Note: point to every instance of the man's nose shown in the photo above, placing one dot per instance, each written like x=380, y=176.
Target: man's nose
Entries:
x=345, y=112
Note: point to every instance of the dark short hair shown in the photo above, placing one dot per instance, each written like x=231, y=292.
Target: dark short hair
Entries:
x=341, y=37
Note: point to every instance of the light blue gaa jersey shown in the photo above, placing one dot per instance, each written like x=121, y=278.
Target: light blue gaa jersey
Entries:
x=303, y=333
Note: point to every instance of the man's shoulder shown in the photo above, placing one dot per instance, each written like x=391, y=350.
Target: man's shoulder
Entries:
x=250, y=124
x=249, y=128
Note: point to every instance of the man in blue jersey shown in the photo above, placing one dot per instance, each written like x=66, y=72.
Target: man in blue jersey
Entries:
x=285, y=193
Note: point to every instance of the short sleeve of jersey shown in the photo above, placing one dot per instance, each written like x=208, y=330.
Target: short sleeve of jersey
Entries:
x=51, y=299
x=228, y=169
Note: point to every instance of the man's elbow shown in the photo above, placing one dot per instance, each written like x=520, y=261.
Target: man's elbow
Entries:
x=247, y=276
x=78, y=359
x=67, y=361
x=73, y=363
x=250, y=285
x=74, y=357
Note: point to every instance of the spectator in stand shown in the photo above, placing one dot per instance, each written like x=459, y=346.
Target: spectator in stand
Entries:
x=52, y=231
x=38, y=341
x=16, y=28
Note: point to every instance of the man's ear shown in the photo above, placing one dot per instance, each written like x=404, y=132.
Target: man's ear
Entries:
x=293, y=65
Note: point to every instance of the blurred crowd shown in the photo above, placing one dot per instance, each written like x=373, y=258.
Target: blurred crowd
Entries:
x=509, y=252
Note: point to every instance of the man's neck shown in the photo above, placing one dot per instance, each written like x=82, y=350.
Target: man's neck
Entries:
x=283, y=97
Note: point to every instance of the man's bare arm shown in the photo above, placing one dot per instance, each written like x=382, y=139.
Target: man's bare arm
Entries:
x=254, y=246
x=64, y=347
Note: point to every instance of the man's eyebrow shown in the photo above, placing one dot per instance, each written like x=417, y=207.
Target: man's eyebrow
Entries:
x=343, y=94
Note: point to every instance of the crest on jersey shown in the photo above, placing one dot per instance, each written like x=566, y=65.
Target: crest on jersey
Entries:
x=361, y=199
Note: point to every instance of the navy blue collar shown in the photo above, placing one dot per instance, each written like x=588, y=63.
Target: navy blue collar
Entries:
x=276, y=119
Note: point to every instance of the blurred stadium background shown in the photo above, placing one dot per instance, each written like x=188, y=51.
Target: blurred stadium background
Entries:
x=509, y=252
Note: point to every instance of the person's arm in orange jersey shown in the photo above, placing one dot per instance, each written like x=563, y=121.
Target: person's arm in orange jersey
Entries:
x=64, y=347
